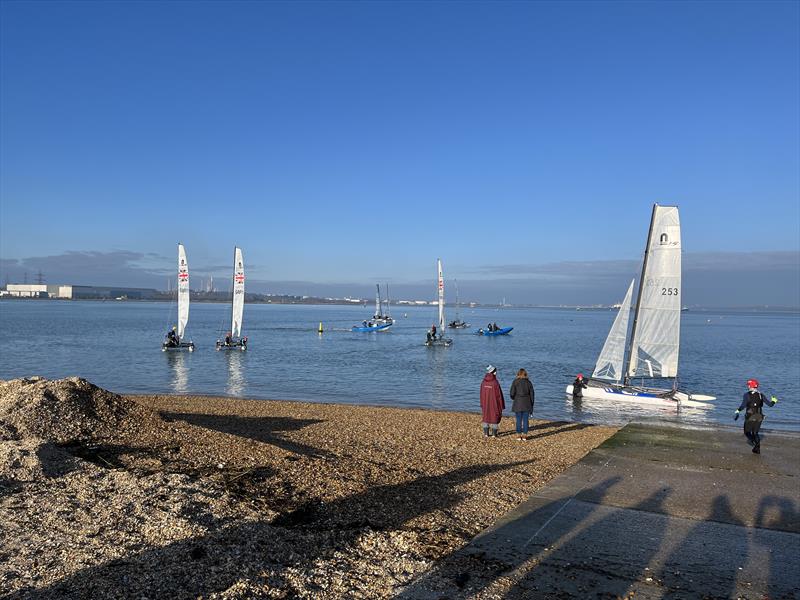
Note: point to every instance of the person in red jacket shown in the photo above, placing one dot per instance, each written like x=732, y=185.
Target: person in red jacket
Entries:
x=492, y=402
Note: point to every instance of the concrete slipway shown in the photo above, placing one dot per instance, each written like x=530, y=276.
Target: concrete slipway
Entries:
x=655, y=512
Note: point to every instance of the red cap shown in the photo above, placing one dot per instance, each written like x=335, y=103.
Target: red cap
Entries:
x=752, y=383
x=580, y=375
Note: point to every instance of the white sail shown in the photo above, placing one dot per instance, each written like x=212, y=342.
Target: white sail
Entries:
x=655, y=338
x=609, y=363
x=441, y=298
x=238, y=293
x=378, y=314
x=183, y=291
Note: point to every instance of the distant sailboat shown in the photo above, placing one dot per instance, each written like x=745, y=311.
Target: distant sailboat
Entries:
x=436, y=337
x=655, y=334
x=234, y=338
x=457, y=323
x=379, y=321
x=379, y=318
x=175, y=336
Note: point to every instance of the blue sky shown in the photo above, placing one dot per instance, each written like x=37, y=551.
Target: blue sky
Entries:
x=360, y=141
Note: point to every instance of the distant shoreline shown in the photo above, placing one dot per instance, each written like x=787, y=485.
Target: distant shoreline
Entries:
x=399, y=307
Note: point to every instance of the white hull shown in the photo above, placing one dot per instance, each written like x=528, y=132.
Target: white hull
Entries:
x=627, y=394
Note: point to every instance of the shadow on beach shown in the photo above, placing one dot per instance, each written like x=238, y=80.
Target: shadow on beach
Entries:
x=474, y=568
x=262, y=553
x=261, y=429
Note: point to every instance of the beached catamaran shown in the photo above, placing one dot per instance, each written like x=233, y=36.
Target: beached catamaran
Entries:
x=438, y=338
x=655, y=334
x=234, y=340
x=178, y=343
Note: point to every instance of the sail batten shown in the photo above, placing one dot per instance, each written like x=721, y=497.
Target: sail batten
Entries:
x=183, y=291
x=610, y=362
x=655, y=339
x=237, y=308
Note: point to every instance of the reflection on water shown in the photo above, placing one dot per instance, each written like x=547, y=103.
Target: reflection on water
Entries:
x=438, y=358
x=180, y=372
x=236, y=382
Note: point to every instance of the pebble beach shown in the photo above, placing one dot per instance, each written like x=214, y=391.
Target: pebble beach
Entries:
x=109, y=496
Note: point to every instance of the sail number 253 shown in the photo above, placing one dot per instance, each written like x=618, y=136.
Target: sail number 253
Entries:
x=669, y=291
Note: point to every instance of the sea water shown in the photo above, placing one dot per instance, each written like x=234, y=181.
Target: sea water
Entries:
x=117, y=345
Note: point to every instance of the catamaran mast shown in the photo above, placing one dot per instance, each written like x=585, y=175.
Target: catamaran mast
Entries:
x=639, y=295
x=458, y=306
x=441, y=298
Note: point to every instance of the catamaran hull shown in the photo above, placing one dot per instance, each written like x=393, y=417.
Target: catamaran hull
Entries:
x=371, y=329
x=182, y=346
x=443, y=342
x=623, y=394
x=240, y=345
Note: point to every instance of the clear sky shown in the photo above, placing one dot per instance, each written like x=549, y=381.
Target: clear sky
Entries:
x=344, y=143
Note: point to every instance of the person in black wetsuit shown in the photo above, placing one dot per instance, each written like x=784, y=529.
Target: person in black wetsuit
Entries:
x=578, y=386
x=752, y=402
x=172, y=337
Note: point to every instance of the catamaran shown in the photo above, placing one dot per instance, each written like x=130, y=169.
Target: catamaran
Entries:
x=457, y=323
x=379, y=321
x=379, y=318
x=436, y=338
x=234, y=338
x=175, y=337
x=655, y=334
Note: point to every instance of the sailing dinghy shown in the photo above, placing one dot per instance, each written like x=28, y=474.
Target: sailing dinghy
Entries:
x=655, y=334
x=379, y=318
x=175, y=338
x=234, y=340
x=437, y=338
x=457, y=323
x=379, y=321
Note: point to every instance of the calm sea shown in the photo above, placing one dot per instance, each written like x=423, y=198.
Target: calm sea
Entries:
x=117, y=346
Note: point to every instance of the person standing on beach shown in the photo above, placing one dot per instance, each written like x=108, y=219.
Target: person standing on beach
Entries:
x=492, y=402
x=752, y=402
x=522, y=406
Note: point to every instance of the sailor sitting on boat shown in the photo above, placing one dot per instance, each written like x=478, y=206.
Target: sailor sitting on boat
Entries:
x=228, y=339
x=172, y=337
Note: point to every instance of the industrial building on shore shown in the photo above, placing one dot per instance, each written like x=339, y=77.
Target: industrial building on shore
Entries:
x=77, y=292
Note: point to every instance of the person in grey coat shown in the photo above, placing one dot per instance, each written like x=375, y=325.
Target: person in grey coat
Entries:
x=523, y=396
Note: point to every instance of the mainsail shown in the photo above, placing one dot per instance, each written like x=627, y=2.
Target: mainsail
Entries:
x=441, y=298
x=238, y=293
x=655, y=337
x=609, y=363
x=378, y=313
x=183, y=291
